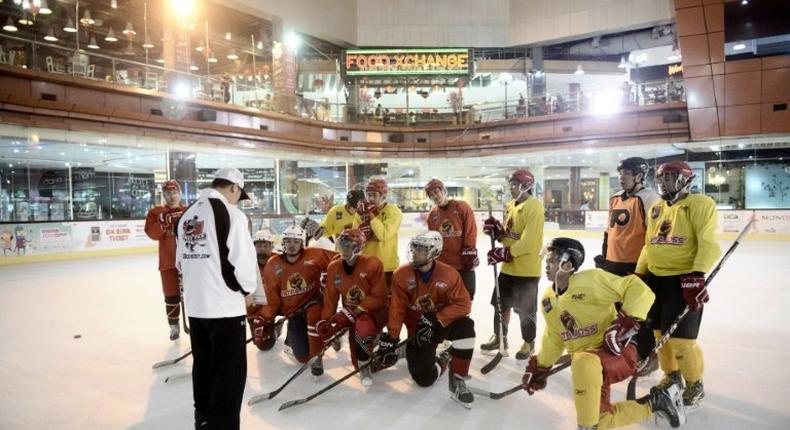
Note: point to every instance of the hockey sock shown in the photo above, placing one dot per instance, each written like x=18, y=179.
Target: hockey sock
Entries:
x=173, y=309
x=666, y=355
x=587, y=378
x=689, y=358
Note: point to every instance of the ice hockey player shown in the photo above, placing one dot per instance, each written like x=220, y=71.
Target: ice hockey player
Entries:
x=625, y=233
x=357, y=281
x=264, y=248
x=159, y=226
x=429, y=297
x=581, y=317
x=292, y=284
x=680, y=247
x=455, y=221
x=521, y=237
x=337, y=219
x=379, y=221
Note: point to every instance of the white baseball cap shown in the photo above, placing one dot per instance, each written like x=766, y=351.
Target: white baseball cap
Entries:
x=235, y=176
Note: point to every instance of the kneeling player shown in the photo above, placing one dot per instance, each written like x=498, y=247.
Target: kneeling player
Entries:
x=430, y=298
x=581, y=317
x=263, y=337
x=359, y=280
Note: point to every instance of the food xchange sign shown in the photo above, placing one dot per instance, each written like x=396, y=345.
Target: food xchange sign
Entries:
x=405, y=62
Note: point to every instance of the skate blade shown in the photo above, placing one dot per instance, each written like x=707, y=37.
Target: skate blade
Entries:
x=493, y=352
x=466, y=406
x=693, y=408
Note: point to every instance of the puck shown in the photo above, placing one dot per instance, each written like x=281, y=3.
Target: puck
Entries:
x=77, y=336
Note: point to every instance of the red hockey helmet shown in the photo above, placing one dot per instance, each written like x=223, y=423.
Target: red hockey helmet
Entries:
x=433, y=183
x=673, y=178
x=523, y=177
x=377, y=185
x=171, y=185
x=354, y=235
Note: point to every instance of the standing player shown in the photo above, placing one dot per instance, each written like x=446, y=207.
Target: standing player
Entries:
x=379, y=221
x=521, y=237
x=293, y=281
x=337, y=219
x=159, y=226
x=680, y=247
x=625, y=235
x=429, y=297
x=359, y=281
x=264, y=248
x=455, y=221
x=581, y=317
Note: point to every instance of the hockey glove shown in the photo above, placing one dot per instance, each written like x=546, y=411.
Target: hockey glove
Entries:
x=622, y=329
x=469, y=258
x=427, y=333
x=534, y=378
x=367, y=231
x=366, y=210
x=312, y=228
x=695, y=291
x=387, y=354
x=599, y=261
x=493, y=228
x=498, y=255
x=263, y=332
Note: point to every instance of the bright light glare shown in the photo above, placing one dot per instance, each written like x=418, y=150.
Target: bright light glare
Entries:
x=739, y=46
x=183, y=7
x=293, y=40
x=606, y=102
x=181, y=90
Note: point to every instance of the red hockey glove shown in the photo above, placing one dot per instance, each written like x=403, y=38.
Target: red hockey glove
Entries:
x=498, y=255
x=367, y=210
x=695, y=291
x=312, y=228
x=469, y=258
x=367, y=231
x=534, y=378
x=622, y=329
x=324, y=329
x=262, y=330
x=493, y=228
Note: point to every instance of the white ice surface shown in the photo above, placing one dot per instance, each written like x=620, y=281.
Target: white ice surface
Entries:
x=104, y=380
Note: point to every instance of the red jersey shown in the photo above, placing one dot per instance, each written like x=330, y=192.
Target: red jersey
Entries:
x=456, y=223
x=290, y=285
x=161, y=228
x=367, y=274
x=444, y=291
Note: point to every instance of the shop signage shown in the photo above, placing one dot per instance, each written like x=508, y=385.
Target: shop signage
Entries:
x=657, y=73
x=404, y=62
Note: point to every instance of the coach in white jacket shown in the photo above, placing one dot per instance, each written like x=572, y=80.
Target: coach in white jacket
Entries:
x=218, y=266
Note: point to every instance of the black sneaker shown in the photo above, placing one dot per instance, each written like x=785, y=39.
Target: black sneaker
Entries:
x=667, y=403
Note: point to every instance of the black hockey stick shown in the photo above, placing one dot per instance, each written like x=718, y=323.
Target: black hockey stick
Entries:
x=631, y=390
x=164, y=363
x=373, y=359
x=270, y=395
x=493, y=363
x=561, y=364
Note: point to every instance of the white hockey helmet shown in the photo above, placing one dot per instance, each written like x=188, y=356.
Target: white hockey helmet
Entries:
x=262, y=236
x=430, y=241
x=294, y=232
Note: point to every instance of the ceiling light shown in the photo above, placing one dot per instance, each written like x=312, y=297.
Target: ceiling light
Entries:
x=739, y=46
x=147, y=44
x=129, y=49
x=212, y=58
x=673, y=57
x=228, y=36
x=25, y=21
x=70, y=28
x=50, y=37
x=160, y=60
x=44, y=8
x=129, y=31
x=623, y=64
x=199, y=48
x=93, y=44
x=114, y=4
x=9, y=25
x=193, y=67
x=232, y=55
x=579, y=70
x=110, y=37
x=87, y=19
x=744, y=2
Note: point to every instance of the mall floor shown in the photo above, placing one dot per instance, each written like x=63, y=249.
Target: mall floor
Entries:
x=79, y=339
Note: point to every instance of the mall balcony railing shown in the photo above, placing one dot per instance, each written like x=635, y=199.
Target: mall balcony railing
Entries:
x=257, y=93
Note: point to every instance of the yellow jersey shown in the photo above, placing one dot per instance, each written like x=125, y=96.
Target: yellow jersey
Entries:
x=524, y=236
x=336, y=220
x=680, y=238
x=383, y=244
x=577, y=319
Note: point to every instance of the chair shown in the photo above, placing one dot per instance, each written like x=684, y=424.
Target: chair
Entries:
x=3, y=59
x=91, y=71
x=80, y=65
x=53, y=67
x=122, y=77
x=152, y=80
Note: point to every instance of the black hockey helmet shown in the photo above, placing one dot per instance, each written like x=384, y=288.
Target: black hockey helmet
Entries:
x=635, y=165
x=567, y=248
x=354, y=196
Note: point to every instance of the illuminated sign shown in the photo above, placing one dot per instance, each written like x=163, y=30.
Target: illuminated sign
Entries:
x=675, y=69
x=657, y=73
x=402, y=62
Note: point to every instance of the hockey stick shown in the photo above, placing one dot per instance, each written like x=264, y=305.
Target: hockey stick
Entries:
x=183, y=309
x=373, y=359
x=493, y=363
x=270, y=395
x=561, y=364
x=631, y=390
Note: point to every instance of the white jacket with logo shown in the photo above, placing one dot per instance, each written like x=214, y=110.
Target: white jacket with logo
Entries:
x=216, y=257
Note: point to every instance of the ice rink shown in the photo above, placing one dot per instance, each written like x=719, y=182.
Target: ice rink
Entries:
x=49, y=379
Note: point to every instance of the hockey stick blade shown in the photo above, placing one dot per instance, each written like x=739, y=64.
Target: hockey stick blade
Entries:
x=562, y=363
x=491, y=364
x=164, y=363
x=270, y=395
x=178, y=377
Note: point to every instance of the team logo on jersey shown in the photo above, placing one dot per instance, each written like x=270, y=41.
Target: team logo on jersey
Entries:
x=337, y=281
x=578, y=297
x=309, y=263
x=547, y=306
x=441, y=285
x=193, y=233
x=665, y=228
x=655, y=212
x=278, y=270
x=619, y=217
x=294, y=286
x=663, y=236
x=447, y=228
x=572, y=329
x=411, y=284
x=425, y=303
x=338, y=215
